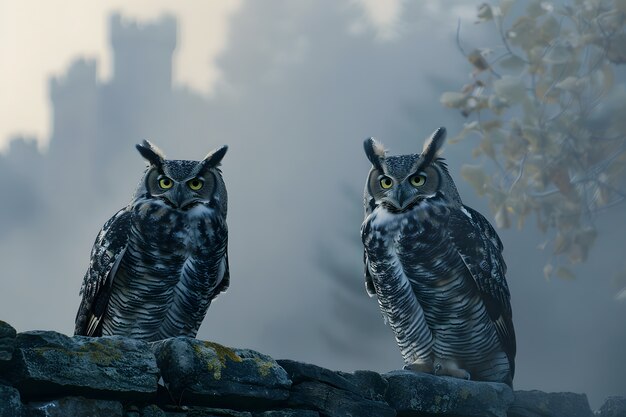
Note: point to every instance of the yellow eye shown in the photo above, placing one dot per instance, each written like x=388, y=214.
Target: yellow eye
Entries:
x=166, y=183
x=195, y=184
x=417, y=180
x=386, y=182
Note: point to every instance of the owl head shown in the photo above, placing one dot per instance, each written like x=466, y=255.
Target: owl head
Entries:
x=183, y=184
x=399, y=183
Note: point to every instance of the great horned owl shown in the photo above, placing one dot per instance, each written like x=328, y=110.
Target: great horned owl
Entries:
x=158, y=263
x=436, y=267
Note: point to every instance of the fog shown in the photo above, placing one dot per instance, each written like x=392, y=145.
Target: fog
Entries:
x=302, y=84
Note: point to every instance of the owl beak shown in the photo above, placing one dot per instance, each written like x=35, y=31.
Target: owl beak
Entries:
x=179, y=199
x=400, y=200
x=395, y=204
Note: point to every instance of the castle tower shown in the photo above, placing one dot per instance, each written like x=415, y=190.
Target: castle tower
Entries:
x=74, y=98
x=75, y=114
x=138, y=100
x=142, y=54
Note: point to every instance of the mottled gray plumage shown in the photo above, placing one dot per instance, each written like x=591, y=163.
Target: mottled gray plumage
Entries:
x=436, y=268
x=158, y=263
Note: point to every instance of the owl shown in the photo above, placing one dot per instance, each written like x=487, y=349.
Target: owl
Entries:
x=436, y=268
x=157, y=264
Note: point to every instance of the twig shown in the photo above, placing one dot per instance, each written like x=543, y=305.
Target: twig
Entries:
x=458, y=38
x=521, y=172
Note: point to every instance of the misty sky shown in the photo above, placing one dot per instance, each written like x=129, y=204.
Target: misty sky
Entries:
x=293, y=88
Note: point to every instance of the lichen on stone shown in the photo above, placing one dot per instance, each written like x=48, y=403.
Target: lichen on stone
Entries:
x=102, y=351
x=264, y=367
x=223, y=352
x=464, y=393
x=215, y=362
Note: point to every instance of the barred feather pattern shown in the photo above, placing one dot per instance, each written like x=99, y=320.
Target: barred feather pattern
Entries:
x=173, y=265
x=428, y=294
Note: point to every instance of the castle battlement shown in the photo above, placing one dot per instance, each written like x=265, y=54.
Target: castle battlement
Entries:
x=80, y=76
x=129, y=32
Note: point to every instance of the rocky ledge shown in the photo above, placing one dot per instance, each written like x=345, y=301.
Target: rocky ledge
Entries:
x=48, y=374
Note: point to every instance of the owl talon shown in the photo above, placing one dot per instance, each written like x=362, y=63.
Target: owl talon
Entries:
x=450, y=368
x=437, y=368
x=425, y=366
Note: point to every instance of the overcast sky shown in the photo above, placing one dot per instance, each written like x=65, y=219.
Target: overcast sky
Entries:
x=38, y=39
x=35, y=46
x=293, y=88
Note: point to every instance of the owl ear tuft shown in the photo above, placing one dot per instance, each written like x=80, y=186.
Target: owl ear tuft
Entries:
x=214, y=158
x=375, y=152
x=432, y=145
x=151, y=153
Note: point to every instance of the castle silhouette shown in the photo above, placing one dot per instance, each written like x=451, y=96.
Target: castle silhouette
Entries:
x=94, y=124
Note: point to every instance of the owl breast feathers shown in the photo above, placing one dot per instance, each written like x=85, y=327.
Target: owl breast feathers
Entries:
x=158, y=263
x=436, y=268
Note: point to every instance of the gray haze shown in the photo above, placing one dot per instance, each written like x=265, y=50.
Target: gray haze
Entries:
x=299, y=94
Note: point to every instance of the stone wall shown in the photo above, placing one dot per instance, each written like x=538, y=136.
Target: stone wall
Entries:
x=48, y=374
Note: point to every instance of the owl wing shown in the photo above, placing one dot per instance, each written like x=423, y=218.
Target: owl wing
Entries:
x=480, y=248
x=225, y=282
x=369, y=284
x=370, y=205
x=106, y=255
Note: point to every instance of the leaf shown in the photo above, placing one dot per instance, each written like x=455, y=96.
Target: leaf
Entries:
x=583, y=241
x=534, y=138
x=535, y=9
x=616, y=51
x=559, y=54
x=611, y=22
x=477, y=59
x=513, y=63
x=560, y=177
x=523, y=33
x=505, y=6
x=550, y=29
x=561, y=243
x=486, y=146
x=611, y=111
x=547, y=271
x=467, y=128
x=489, y=125
x=509, y=88
x=607, y=78
x=544, y=93
x=484, y=12
x=572, y=84
x=502, y=218
x=564, y=273
x=620, y=280
x=475, y=103
x=476, y=177
x=498, y=136
x=620, y=5
x=497, y=104
x=453, y=99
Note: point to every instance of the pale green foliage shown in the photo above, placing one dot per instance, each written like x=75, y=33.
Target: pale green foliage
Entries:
x=545, y=108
